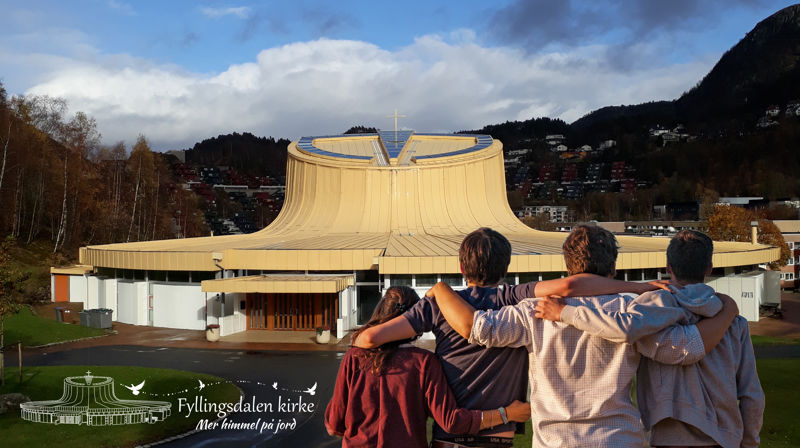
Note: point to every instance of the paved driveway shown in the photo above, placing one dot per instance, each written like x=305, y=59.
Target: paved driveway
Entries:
x=291, y=370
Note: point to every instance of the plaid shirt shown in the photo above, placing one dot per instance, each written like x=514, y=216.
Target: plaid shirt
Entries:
x=581, y=384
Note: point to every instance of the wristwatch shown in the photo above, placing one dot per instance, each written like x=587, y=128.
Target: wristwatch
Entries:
x=503, y=415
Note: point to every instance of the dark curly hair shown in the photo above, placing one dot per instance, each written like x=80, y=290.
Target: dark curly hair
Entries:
x=396, y=301
x=591, y=250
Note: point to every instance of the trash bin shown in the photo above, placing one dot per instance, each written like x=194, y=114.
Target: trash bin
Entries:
x=105, y=317
x=59, y=317
x=66, y=315
x=98, y=318
x=94, y=318
x=84, y=318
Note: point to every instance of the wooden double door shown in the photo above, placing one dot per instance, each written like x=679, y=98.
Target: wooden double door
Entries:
x=299, y=312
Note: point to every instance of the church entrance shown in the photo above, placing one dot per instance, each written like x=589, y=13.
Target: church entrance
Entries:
x=291, y=312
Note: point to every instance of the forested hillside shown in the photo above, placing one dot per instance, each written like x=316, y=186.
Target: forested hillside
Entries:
x=60, y=185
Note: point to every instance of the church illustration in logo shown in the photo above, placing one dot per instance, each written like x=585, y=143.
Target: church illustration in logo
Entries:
x=90, y=400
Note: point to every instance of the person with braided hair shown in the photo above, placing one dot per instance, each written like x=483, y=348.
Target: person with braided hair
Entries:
x=384, y=396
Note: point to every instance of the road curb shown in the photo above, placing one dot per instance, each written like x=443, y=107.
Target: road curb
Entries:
x=112, y=332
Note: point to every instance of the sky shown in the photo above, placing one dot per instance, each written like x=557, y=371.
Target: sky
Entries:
x=179, y=71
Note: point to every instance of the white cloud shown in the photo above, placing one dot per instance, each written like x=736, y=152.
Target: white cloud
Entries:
x=239, y=11
x=122, y=7
x=326, y=86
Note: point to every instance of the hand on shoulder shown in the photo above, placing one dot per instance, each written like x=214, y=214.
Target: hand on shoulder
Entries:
x=549, y=308
x=728, y=305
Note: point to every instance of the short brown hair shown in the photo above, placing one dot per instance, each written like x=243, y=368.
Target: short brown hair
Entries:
x=484, y=255
x=689, y=255
x=591, y=250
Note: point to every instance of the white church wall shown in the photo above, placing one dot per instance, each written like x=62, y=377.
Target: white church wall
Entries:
x=179, y=306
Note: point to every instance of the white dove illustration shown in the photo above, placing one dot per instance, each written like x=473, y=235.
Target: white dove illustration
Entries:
x=201, y=384
x=135, y=389
x=275, y=385
x=311, y=390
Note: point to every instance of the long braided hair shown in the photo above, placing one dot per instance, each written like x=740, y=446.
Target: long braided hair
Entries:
x=396, y=301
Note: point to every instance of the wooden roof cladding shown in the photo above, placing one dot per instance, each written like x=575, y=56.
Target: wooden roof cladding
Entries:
x=349, y=214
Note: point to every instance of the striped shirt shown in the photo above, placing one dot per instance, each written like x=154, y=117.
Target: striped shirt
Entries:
x=581, y=384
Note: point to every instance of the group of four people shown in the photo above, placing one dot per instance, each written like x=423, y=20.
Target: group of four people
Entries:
x=696, y=383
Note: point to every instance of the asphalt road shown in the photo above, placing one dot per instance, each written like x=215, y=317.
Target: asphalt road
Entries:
x=253, y=372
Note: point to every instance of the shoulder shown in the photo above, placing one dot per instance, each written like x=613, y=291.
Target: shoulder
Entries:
x=658, y=297
x=417, y=356
x=658, y=294
x=740, y=325
x=421, y=310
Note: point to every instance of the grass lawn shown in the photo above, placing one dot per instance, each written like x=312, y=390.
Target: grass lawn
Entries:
x=46, y=383
x=779, y=381
x=768, y=340
x=33, y=330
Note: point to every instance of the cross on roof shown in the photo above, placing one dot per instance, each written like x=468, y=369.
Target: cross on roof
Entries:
x=395, y=116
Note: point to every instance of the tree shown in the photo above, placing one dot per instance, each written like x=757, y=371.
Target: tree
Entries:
x=8, y=306
x=361, y=130
x=731, y=223
x=539, y=222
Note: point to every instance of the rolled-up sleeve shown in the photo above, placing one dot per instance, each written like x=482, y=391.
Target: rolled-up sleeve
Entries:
x=510, y=326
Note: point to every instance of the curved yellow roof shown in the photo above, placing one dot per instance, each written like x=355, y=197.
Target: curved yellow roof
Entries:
x=399, y=202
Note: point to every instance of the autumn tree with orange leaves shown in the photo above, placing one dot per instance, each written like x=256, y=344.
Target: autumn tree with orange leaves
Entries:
x=732, y=223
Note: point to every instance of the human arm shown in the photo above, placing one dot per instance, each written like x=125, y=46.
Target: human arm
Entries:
x=748, y=388
x=517, y=411
x=506, y=327
x=337, y=407
x=454, y=420
x=687, y=344
x=676, y=344
x=645, y=315
x=457, y=312
x=712, y=329
x=396, y=329
x=590, y=285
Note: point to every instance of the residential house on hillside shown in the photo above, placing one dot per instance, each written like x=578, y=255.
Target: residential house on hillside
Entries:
x=790, y=229
x=555, y=213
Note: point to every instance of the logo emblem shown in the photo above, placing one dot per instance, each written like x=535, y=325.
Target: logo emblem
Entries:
x=91, y=401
